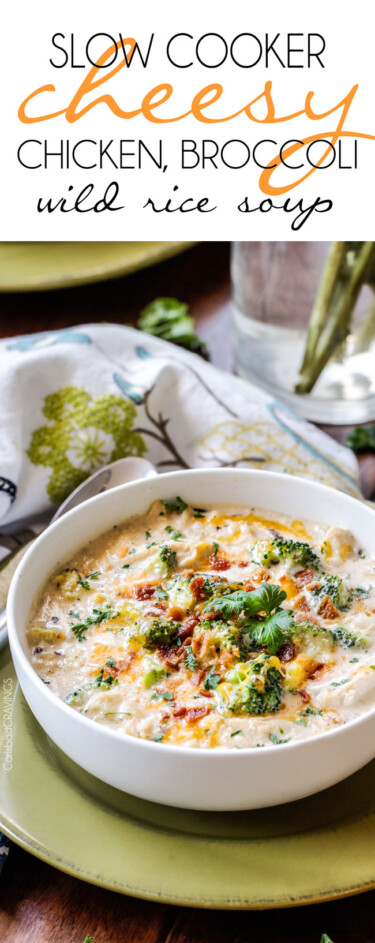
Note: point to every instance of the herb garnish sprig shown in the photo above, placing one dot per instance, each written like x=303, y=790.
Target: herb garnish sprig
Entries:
x=97, y=617
x=270, y=630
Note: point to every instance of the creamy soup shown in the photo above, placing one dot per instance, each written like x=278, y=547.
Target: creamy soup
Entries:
x=225, y=627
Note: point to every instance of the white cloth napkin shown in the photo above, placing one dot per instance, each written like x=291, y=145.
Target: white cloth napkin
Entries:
x=75, y=399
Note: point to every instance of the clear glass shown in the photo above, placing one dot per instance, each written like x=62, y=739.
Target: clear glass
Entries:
x=274, y=286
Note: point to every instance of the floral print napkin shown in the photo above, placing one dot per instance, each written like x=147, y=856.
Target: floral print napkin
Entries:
x=75, y=399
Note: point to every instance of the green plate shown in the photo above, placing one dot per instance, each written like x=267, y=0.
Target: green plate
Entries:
x=38, y=266
x=317, y=849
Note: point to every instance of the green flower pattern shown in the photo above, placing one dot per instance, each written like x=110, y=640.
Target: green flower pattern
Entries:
x=82, y=433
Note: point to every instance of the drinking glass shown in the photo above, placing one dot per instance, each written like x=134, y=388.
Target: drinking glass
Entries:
x=274, y=286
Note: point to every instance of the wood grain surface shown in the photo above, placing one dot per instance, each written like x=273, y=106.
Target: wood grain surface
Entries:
x=37, y=903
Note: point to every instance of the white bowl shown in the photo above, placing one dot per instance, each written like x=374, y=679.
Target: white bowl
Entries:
x=192, y=778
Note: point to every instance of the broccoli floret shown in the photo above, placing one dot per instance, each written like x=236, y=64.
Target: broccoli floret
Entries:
x=298, y=553
x=211, y=587
x=257, y=687
x=161, y=632
x=333, y=587
x=223, y=634
x=179, y=593
x=337, y=635
x=168, y=557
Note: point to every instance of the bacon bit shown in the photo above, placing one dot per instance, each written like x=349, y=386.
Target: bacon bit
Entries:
x=145, y=591
x=195, y=713
x=196, y=644
x=287, y=652
x=187, y=641
x=123, y=665
x=205, y=693
x=198, y=676
x=176, y=614
x=187, y=628
x=300, y=617
x=191, y=713
x=197, y=590
x=305, y=697
x=302, y=605
x=180, y=711
x=161, y=605
x=304, y=576
x=172, y=662
x=327, y=609
x=243, y=563
x=261, y=576
x=226, y=656
x=315, y=671
x=249, y=587
x=219, y=563
x=165, y=717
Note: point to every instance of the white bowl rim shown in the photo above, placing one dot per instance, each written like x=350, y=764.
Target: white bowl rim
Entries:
x=113, y=735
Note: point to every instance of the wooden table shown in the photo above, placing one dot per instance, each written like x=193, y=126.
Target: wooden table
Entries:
x=37, y=903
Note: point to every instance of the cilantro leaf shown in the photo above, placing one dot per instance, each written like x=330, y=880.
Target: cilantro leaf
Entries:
x=169, y=318
x=263, y=599
x=174, y=534
x=211, y=681
x=97, y=616
x=362, y=438
x=190, y=660
x=271, y=632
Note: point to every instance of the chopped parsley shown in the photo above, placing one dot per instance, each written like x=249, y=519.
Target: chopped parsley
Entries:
x=85, y=583
x=97, y=617
x=337, y=684
x=211, y=681
x=310, y=712
x=275, y=739
x=216, y=548
x=162, y=696
x=190, y=660
x=177, y=505
x=174, y=534
x=158, y=738
x=237, y=733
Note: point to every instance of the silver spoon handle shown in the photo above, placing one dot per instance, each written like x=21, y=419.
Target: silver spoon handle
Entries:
x=111, y=476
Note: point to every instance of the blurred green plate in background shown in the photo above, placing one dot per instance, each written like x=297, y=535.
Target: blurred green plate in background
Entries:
x=320, y=848
x=38, y=266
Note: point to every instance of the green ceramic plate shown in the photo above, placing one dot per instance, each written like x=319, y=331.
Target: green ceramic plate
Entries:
x=38, y=266
x=317, y=849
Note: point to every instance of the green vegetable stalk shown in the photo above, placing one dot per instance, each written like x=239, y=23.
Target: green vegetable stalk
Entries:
x=349, y=266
